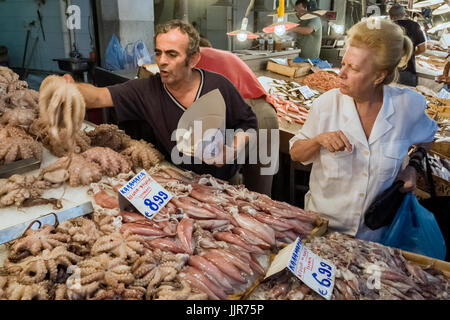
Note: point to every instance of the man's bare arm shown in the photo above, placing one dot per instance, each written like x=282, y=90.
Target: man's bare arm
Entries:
x=95, y=97
x=303, y=30
x=420, y=49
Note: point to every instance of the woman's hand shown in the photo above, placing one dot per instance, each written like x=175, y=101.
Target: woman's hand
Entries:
x=334, y=141
x=408, y=176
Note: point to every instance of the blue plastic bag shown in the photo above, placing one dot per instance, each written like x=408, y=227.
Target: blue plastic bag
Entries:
x=136, y=54
x=415, y=229
x=114, y=58
x=322, y=64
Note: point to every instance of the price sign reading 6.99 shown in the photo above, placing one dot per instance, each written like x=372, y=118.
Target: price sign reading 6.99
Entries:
x=315, y=272
x=145, y=194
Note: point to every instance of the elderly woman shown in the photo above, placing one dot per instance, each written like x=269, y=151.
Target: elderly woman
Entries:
x=357, y=136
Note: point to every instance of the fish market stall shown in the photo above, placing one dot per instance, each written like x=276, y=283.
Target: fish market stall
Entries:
x=361, y=270
x=211, y=240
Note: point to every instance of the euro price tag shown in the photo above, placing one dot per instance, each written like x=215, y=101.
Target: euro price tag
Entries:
x=312, y=270
x=306, y=92
x=145, y=194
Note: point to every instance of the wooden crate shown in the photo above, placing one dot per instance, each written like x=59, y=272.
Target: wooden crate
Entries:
x=442, y=147
x=441, y=186
x=425, y=261
x=292, y=72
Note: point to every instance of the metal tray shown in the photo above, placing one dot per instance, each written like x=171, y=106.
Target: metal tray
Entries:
x=19, y=167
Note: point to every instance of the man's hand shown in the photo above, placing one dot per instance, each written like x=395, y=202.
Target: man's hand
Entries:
x=227, y=155
x=68, y=78
x=334, y=141
x=408, y=176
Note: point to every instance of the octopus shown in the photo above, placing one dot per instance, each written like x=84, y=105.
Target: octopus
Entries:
x=19, y=291
x=83, y=232
x=18, y=148
x=111, y=162
x=178, y=290
x=48, y=265
x=18, y=189
x=109, y=136
x=157, y=266
x=19, y=116
x=61, y=106
x=124, y=246
x=10, y=131
x=17, y=144
x=35, y=241
x=109, y=223
x=81, y=141
x=76, y=292
x=112, y=184
x=24, y=98
x=121, y=293
x=97, y=272
x=9, y=81
x=142, y=154
x=78, y=169
x=117, y=271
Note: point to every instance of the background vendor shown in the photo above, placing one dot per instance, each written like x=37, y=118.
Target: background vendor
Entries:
x=308, y=32
x=397, y=13
x=356, y=136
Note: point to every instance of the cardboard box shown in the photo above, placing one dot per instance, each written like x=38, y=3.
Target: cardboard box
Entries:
x=291, y=72
x=147, y=70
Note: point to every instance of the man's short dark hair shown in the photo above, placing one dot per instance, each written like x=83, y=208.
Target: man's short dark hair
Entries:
x=186, y=28
x=397, y=11
x=304, y=3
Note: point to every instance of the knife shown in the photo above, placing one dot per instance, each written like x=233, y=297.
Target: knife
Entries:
x=18, y=230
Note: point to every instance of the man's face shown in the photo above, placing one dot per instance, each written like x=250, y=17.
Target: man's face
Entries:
x=300, y=10
x=171, y=56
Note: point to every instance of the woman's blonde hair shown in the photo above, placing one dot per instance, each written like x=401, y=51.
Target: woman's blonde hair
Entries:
x=392, y=47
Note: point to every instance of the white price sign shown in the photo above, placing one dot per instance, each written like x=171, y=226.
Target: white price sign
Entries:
x=312, y=270
x=306, y=92
x=145, y=194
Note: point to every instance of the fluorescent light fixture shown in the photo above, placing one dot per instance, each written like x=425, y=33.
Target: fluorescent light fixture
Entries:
x=338, y=28
x=242, y=36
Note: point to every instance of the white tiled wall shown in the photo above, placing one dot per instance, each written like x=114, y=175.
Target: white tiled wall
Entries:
x=15, y=15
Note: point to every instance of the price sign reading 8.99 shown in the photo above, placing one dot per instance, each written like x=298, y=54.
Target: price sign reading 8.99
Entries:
x=315, y=272
x=145, y=194
x=156, y=201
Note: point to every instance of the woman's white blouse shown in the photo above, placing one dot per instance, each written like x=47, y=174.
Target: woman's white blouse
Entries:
x=344, y=184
